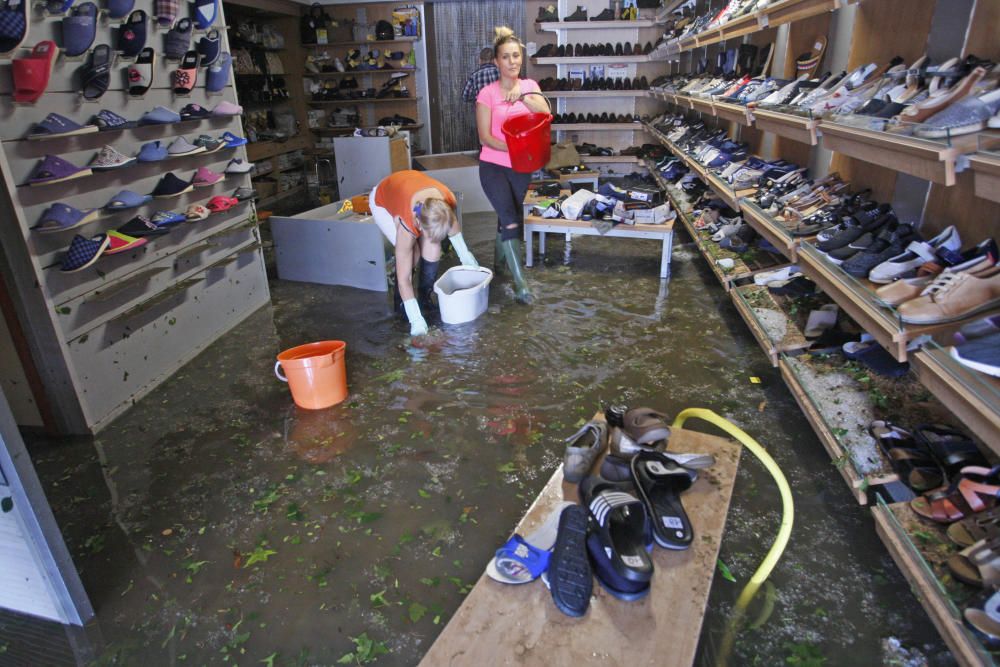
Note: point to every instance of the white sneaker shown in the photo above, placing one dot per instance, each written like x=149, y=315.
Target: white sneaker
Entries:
x=778, y=275
x=916, y=254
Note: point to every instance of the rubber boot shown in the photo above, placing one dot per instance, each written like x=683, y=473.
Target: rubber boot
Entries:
x=512, y=252
x=498, y=258
x=428, y=274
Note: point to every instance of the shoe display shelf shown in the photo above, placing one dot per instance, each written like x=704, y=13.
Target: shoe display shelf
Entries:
x=723, y=110
x=985, y=165
x=102, y=337
x=757, y=306
x=920, y=549
x=366, y=42
x=360, y=72
x=719, y=186
x=595, y=25
x=263, y=150
x=595, y=94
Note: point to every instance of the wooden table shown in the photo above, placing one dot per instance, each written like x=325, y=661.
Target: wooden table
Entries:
x=534, y=223
x=499, y=624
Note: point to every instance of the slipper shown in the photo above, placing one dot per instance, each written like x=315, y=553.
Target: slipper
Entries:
x=910, y=459
x=582, y=449
x=178, y=40
x=569, y=577
x=952, y=448
x=209, y=47
x=618, y=586
x=54, y=126
x=31, y=74
x=57, y=7
x=220, y=203
x=186, y=76
x=127, y=199
x=646, y=426
x=972, y=491
x=13, y=25
x=621, y=523
x=978, y=565
x=168, y=218
x=523, y=559
x=83, y=252
x=97, y=75
x=165, y=11
x=807, y=63
x=218, y=74
x=79, y=29
x=982, y=526
x=54, y=169
x=60, y=217
x=820, y=320
x=986, y=621
x=624, y=447
x=874, y=357
x=120, y=242
x=205, y=12
x=140, y=73
x=660, y=482
x=119, y=9
x=140, y=227
x=196, y=212
x=132, y=34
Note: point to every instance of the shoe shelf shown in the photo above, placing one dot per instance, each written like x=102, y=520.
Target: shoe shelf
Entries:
x=772, y=230
x=592, y=94
x=294, y=167
x=857, y=299
x=366, y=100
x=735, y=113
x=973, y=397
x=595, y=25
x=928, y=159
x=357, y=72
x=573, y=60
x=821, y=415
x=571, y=127
x=920, y=549
x=775, y=332
x=262, y=150
x=611, y=159
x=362, y=43
x=792, y=126
x=273, y=199
x=701, y=104
x=986, y=170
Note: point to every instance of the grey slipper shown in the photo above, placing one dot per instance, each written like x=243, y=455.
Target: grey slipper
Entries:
x=582, y=449
x=963, y=117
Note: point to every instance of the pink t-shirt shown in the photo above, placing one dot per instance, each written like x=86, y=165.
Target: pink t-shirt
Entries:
x=500, y=111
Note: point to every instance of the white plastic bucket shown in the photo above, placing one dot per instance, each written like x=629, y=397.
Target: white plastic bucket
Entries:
x=463, y=293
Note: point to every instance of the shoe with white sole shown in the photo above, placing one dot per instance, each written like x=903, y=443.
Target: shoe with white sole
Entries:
x=917, y=253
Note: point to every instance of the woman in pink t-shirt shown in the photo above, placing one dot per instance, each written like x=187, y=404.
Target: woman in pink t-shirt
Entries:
x=504, y=187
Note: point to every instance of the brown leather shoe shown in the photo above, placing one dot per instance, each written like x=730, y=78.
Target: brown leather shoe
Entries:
x=921, y=111
x=903, y=290
x=952, y=297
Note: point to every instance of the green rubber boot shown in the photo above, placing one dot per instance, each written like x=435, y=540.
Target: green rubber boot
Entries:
x=512, y=252
x=498, y=259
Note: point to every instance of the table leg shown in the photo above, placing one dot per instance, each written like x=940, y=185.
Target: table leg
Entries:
x=569, y=248
x=528, y=234
x=665, y=255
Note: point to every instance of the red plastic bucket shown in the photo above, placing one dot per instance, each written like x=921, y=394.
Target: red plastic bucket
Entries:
x=529, y=141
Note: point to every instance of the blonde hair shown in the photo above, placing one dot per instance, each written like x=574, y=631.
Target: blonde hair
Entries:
x=504, y=35
x=436, y=218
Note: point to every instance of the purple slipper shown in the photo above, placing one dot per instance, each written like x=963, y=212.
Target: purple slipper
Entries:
x=54, y=169
x=60, y=217
x=218, y=74
x=127, y=199
x=83, y=252
x=55, y=125
x=79, y=29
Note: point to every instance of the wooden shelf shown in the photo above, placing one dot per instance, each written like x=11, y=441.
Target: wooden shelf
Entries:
x=856, y=482
x=797, y=128
x=611, y=159
x=986, y=170
x=593, y=94
x=890, y=524
x=595, y=25
x=374, y=42
x=973, y=397
x=360, y=72
x=373, y=100
x=607, y=60
x=268, y=201
x=736, y=113
x=262, y=150
x=348, y=130
x=924, y=158
x=793, y=339
x=770, y=229
x=581, y=127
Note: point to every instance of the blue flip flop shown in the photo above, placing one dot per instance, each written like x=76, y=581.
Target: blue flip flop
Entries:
x=523, y=559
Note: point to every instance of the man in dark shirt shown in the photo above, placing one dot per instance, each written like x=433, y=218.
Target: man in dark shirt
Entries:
x=483, y=76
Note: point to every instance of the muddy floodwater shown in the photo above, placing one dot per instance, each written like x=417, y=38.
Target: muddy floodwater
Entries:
x=216, y=523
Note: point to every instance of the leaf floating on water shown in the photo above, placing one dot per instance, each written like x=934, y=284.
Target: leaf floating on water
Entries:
x=724, y=570
x=761, y=406
x=506, y=467
x=417, y=611
x=260, y=554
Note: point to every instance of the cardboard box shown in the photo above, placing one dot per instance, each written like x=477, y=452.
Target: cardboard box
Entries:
x=652, y=216
x=645, y=195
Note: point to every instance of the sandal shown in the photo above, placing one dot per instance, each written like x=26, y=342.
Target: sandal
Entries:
x=31, y=74
x=972, y=529
x=569, y=576
x=186, y=76
x=910, y=459
x=221, y=203
x=621, y=528
x=978, y=565
x=97, y=75
x=132, y=34
x=952, y=448
x=523, y=559
x=140, y=73
x=967, y=495
x=986, y=621
x=660, y=481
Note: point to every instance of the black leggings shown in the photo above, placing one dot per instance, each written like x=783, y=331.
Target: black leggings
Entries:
x=505, y=188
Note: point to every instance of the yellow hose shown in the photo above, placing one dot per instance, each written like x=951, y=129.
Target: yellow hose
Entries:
x=787, y=516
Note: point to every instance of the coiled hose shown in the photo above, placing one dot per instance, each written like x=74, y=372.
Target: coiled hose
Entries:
x=784, y=531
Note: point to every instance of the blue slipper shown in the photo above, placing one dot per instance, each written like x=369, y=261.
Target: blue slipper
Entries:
x=79, y=29
x=218, y=74
x=127, y=199
x=119, y=9
x=621, y=523
x=569, y=577
x=209, y=48
x=615, y=584
x=523, y=559
x=205, y=12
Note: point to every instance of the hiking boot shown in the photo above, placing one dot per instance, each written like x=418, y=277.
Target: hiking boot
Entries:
x=546, y=14
x=606, y=15
x=579, y=15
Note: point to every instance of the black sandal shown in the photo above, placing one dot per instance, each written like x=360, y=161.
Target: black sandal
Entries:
x=569, y=577
x=97, y=75
x=952, y=448
x=910, y=459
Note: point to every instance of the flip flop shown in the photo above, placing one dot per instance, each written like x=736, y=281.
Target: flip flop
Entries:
x=569, y=576
x=911, y=460
x=974, y=490
x=660, y=481
x=97, y=75
x=982, y=526
x=186, y=76
x=523, y=559
x=31, y=74
x=140, y=73
x=13, y=25
x=79, y=29
x=132, y=34
x=622, y=526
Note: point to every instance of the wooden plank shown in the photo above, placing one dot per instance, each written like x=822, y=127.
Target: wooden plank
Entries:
x=735, y=113
x=796, y=128
x=975, y=217
x=981, y=39
x=881, y=180
x=518, y=625
x=973, y=397
x=801, y=37
x=595, y=94
x=889, y=28
x=262, y=150
x=756, y=330
x=925, y=587
x=986, y=172
x=770, y=229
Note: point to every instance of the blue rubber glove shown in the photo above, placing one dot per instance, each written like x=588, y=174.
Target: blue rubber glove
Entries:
x=464, y=256
x=418, y=325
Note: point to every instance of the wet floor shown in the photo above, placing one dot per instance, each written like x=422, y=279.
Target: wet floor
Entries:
x=215, y=523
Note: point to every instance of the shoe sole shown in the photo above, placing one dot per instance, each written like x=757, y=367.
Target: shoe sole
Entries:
x=955, y=318
x=176, y=194
x=79, y=174
x=974, y=365
x=83, y=130
x=200, y=149
x=570, y=576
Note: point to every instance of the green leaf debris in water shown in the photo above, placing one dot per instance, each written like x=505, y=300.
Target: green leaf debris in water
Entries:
x=378, y=599
x=423, y=494
x=506, y=467
x=269, y=660
x=724, y=569
x=365, y=650
x=417, y=611
x=260, y=554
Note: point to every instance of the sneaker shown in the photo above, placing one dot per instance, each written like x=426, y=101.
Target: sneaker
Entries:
x=181, y=146
x=981, y=354
x=238, y=166
x=108, y=158
x=916, y=254
x=209, y=144
x=232, y=141
x=171, y=186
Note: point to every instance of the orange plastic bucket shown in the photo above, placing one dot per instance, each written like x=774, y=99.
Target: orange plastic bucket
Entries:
x=529, y=141
x=316, y=373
